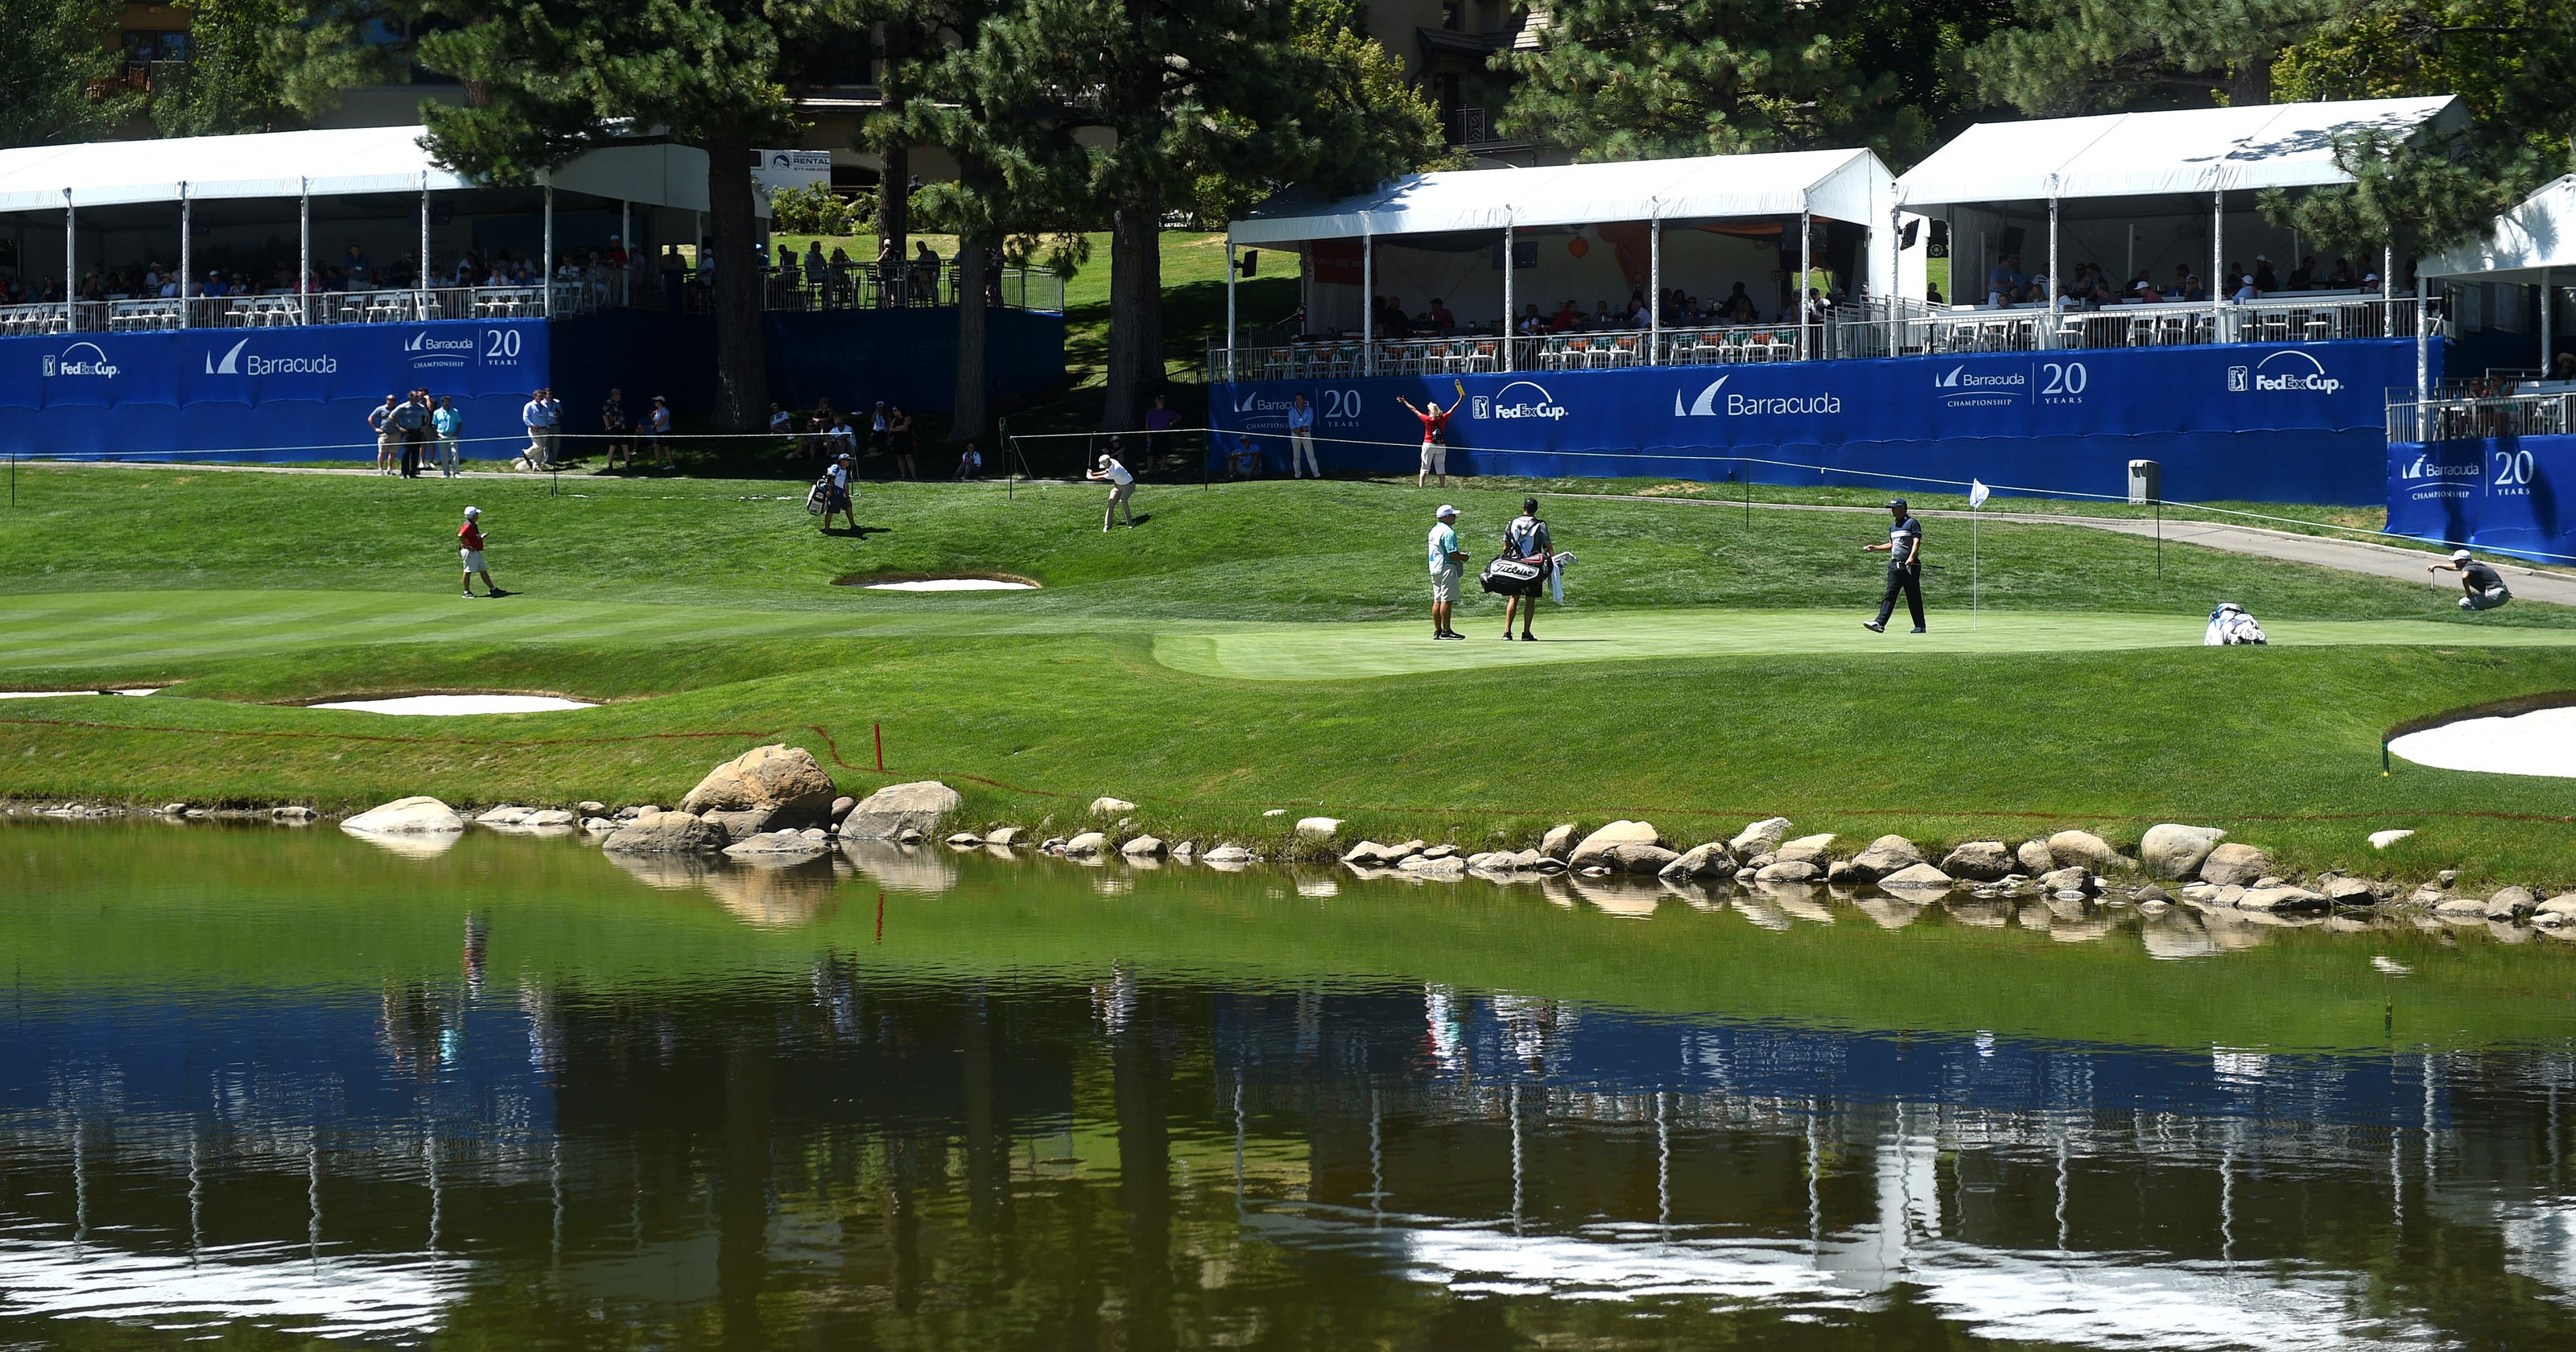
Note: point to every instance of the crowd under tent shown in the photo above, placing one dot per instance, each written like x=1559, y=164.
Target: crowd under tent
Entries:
x=265, y=204
x=1595, y=236
x=2149, y=192
x=2510, y=280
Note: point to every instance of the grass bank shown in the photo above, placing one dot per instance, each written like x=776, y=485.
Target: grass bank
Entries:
x=1250, y=647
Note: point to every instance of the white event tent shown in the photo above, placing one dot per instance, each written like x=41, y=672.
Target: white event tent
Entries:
x=153, y=188
x=2164, y=173
x=1439, y=230
x=2532, y=245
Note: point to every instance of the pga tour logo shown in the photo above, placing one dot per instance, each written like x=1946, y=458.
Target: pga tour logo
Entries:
x=81, y=359
x=1520, y=399
x=1751, y=406
x=2288, y=371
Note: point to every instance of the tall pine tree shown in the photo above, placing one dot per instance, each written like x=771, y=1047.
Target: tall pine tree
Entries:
x=51, y=61
x=2082, y=56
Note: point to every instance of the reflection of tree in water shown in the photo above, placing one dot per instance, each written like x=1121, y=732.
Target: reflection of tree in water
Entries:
x=417, y=1028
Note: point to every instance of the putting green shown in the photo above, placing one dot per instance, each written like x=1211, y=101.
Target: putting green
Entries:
x=167, y=631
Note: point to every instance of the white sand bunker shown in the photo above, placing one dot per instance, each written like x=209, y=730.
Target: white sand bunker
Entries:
x=948, y=584
x=457, y=704
x=2538, y=743
x=58, y=694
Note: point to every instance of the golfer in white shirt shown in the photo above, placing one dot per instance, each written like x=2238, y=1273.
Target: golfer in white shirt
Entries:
x=1122, y=488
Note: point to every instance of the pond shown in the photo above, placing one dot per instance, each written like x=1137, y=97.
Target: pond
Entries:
x=281, y=1086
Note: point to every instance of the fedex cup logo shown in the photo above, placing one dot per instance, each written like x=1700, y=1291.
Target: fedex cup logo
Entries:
x=81, y=359
x=1521, y=399
x=2288, y=371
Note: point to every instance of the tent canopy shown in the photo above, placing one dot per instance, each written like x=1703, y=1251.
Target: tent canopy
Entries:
x=2539, y=234
x=2193, y=150
x=337, y=163
x=1845, y=185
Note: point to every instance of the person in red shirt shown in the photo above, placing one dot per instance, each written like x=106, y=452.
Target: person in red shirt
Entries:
x=469, y=540
x=1435, y=455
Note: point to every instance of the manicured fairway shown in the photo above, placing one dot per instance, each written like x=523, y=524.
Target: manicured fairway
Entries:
x=1251, y=648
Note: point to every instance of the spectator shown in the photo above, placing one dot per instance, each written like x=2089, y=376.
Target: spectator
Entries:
x=899, y=441
x=1443, y=323
x=1567, y=317
x=1932, y=294
x=2564, y=367
x=380, y=420
x=782, y=424
x=538, y=416
x=2246, y=290
x=1244, y=461
x=355, y=263
x=2304, y=276
x=970, y=463
x=816, y=266
x=449, y=424
x=2264, y=279
x=412, y=417
x=657, y=431
x=877, y=428
x=613, y=427
x=1301, y=434
x=616, y=255
x=1159, y=421
x=1533, y=323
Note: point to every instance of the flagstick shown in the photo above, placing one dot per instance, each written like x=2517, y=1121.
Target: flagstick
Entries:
x=1972, y=569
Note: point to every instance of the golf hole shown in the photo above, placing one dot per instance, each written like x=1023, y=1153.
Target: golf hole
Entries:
x=2531, y=736
x=924, y=582
x=450, y=705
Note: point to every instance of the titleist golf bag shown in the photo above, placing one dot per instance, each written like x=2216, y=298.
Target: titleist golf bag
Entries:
x=1513, y=577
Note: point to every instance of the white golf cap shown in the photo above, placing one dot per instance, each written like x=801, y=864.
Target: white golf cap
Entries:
x=473, y=511
x=1446, y=510
x=2459, y=556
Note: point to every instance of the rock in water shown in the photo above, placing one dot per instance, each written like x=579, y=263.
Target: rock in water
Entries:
x=1003, y=835
x=965, y=840
x=2234, y=865
x=2513, y=903
x=744, y=823
x=2034, y=858
x=2073, y=878
x=2071, y=849
x=2281, y=899
x=1760, y=837
x=1228, y=854
x=889, y=812
x=2351, y=892
x=1790, y=871
x=1983, y=860
x=421, y=815
x=1885, y=855
x=1595, y=849
x=1699, y=861
x=1560, y=841
x=1916, y=876
x=2175, y=852
x=551, y=816
x=1089, y=842
x=784, y=781
x=1143, y=847
x=667, y=833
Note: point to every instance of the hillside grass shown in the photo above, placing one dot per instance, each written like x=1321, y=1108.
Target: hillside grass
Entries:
x=1250, y=647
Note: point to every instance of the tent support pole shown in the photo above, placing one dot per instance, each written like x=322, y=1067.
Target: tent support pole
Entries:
x=1806, y=268
x=71, y=261
x=2048, y=326
x=2132, y=275
x=1368, y=315
x=2387, y=271
x=1231, y=267
x=547, y=280
x=1511, y=310
x=2423, y=355
x=2218, y=283
x=2548, y=327
x=1896, y=275
x=304, y=247
x=188, y=259
x=421, y=280
x=1654, y=283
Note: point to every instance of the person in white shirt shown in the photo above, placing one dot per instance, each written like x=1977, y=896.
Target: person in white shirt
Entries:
x=836, y=493
x=539, y=416
x=1122, y=488
x=1448, y=560
x=1301, y=438
x=657, y=431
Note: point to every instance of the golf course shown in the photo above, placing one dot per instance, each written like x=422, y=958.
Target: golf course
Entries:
x=1248, y=649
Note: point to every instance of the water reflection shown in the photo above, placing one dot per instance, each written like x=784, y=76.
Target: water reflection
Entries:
x=475, y=1136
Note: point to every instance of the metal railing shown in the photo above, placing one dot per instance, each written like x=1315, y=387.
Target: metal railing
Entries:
x=2448, y=416
x=864, y=286
x=2273, y=319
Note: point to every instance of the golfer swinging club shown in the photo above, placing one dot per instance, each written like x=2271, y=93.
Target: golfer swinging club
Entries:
x=1904, y=550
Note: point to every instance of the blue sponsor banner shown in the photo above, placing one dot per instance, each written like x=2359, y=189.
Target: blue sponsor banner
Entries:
x=2298, y=422
x=260, y=394
x=2513, y=495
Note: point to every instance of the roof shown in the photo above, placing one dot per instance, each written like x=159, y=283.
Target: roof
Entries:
x=1848, y=185
x=2539, y=234
x=2273, y=145
x=335, y=163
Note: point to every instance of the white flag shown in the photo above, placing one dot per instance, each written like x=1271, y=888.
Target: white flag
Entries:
x=1978, y=493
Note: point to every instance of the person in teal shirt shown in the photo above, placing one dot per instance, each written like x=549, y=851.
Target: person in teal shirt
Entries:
x=1448, y=564
x=449, y=424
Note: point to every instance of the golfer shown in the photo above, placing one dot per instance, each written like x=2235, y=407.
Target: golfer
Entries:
x=836, y=493
x=1435, y=455
x=469, y=539
x=1301, y=438
x=1527, y=540
x=1904, y=550
x=2483, y=586
x=449, y=423
x=1448, y=564
x=1122, y=488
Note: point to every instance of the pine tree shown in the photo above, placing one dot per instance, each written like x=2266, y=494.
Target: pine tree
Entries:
x=229, y=83
x=50, y=63
x=2082, y=56
x=1643, y=79
x=563, y=76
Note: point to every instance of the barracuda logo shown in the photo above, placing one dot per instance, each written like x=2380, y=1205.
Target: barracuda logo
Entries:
x=1752, y=406
x=1961, y=378
x=428, y=349
x=239, y=362
x=81, y=359
x=1533, y=402
x=2288, y=371
x=1703, y=407
x=2424, y=467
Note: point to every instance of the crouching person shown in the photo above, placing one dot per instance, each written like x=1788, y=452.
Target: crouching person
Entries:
x=2482, y=587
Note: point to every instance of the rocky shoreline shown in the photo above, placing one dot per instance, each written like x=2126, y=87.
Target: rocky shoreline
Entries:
x=776, y=805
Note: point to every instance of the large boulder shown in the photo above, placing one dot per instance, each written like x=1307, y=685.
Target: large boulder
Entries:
x=1088, y=843
x=2081, y=849
x=784, y=781
x=1699, y=861
x=1560, y=841
x=406, y=817
x=1815, y=849
x=1144, y=847
x=1916, y=877
x=2173, y=851
x=1885, y=855
x=744, y=823
x=1634, y=857
x=1595, y=849
x=1790, y=871
x=1983, y=860
x=2513, y=903
x=1760, y=837
x=889, y=812
x=2034, y=858
x=2072, y=878
x=2234, y=865
x=667, y=833
x=2279, y=899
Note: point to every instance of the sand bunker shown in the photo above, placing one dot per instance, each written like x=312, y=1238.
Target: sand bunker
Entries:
x=2542, y=742
x=457, y=704
x=58, y=694
x=949, y=584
